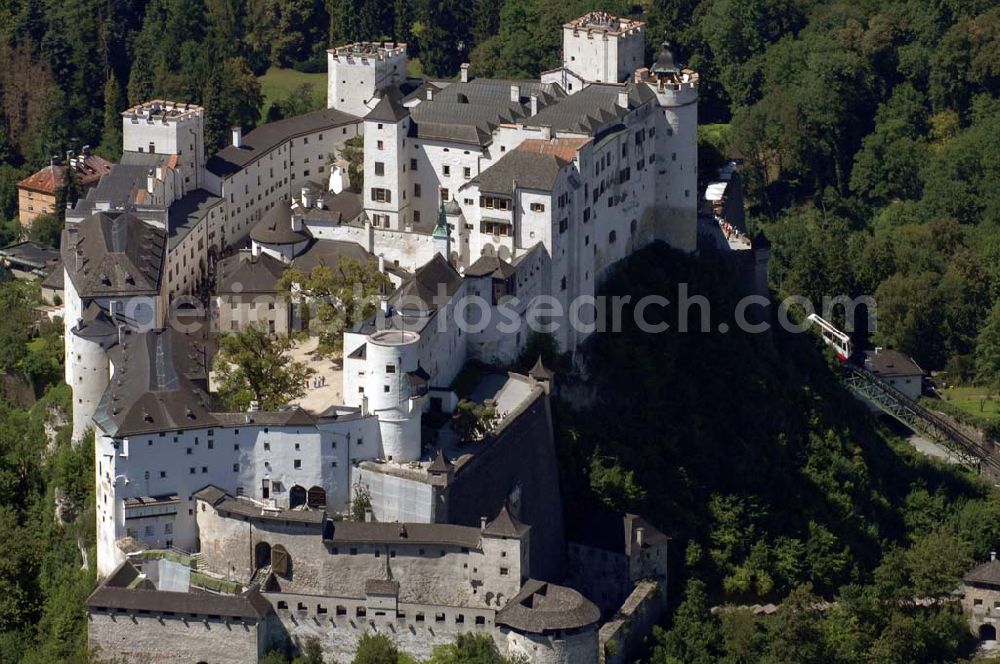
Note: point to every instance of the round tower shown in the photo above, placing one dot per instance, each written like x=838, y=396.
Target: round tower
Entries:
x=393, y=389
x=676, y=89
x=90, y=372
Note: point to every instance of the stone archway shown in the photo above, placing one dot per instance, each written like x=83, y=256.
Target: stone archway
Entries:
x=296, y=496
x=262, y=555
x=316, y=497
x=987, y=632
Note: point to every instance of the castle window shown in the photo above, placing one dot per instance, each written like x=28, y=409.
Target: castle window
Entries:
x=282, y=604
x=459, y=619
x=341, y=610
x=419, y=617
x=467, y=172
x=380, y=195
x=504, y=571
x=163, y=474
x=320, y=609
x=446, y=170
x=380, y=145
x=236, y=467
x=416, y=190
x=612, y=236
x=390, y=368
x=538, y=207
x=439, y=617
x=379, y=168
x=413, y=164
x=480, y=620
x=360, y=612
x=297, y=464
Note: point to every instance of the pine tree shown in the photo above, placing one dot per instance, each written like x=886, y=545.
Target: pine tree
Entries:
x=114, y=104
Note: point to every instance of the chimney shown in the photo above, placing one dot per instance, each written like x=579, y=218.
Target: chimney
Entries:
x=993, y=556
x=515, y=93
x=482, y=523
x=150, y=180
x=534, y=105
x=238, y=137
x=296, y=222
x=86, y=151
x=255, y=250
x=430, y=92
x=640, y=536
x=306, y=198
x=465, y=72
x=623, y=99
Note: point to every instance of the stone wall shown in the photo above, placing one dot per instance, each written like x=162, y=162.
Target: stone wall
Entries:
x=620, y=636
x=338, y=623
x=142, y=638
x=518, y=466
x=981, y=606
x=571, y=647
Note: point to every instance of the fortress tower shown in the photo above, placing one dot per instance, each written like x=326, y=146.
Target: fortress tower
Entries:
x=357, y=72
x=169, y=128
x=394, y=387
x=601, y=48
x=676, y=89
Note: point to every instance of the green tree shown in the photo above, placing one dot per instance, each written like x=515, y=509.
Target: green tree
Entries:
x=988, y=350
x=376, y=649
x=467, y=649
x=46, y=229
x=472, y=421
x=341, y=297
x=694, y=636
x=252, y=365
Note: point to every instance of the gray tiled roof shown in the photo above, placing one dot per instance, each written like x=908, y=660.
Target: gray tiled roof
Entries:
x=119, y=254
x=469, y=112
x=244, y=507
x=381, y=587
x=187, y=212
x=275, y=227
x=423, y=287
x=266, y=137
x=442, y=534
x=31, y=254
x=329, y=253
x=505, y=525
x=593, y=109
x=246, y=273
x=542, y=607
x=388, y=109
x=159, y=385
x=986, y=574
x=531, y=170
x=114, y=593
x=892, y=363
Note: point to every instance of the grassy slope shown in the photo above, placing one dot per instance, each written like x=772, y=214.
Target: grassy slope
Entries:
x=278, y=83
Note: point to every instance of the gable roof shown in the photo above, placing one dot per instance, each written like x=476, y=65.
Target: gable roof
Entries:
x=266, y=137
x=490, y=266
x=887, y=362
x=388, y=109
x=592, y=110
x=422, y=288
x=523, y=168
x=987, y=574
x=246, y=273
x=157, y=385
x=114, y=253
x=275, y=227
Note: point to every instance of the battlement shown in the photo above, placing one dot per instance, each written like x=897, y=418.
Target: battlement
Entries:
x=162, y=111
x=351, y=53
x=603, y=22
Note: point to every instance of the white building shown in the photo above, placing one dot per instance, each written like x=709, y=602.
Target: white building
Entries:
x=356, y=73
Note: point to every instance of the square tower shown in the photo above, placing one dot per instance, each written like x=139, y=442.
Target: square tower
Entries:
x=357, y=72
x=168, y=128
x=601, y=48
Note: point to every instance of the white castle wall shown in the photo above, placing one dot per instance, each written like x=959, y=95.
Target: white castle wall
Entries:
x=396, y=498
x=357, y=71
x=577, y=646
x=599, y=56
x=677, y=164
x=391, y=355
x=237, y=459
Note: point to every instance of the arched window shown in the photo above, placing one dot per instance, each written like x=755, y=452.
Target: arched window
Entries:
x=987, y=632
x=262, y=555
x=612, y=236
x=316, y=497
x=281, y=562
x=296, y=496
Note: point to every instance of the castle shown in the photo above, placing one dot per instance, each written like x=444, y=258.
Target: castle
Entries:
x=499, y=190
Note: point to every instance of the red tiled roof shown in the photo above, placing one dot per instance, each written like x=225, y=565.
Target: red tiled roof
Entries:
x=49, y=179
